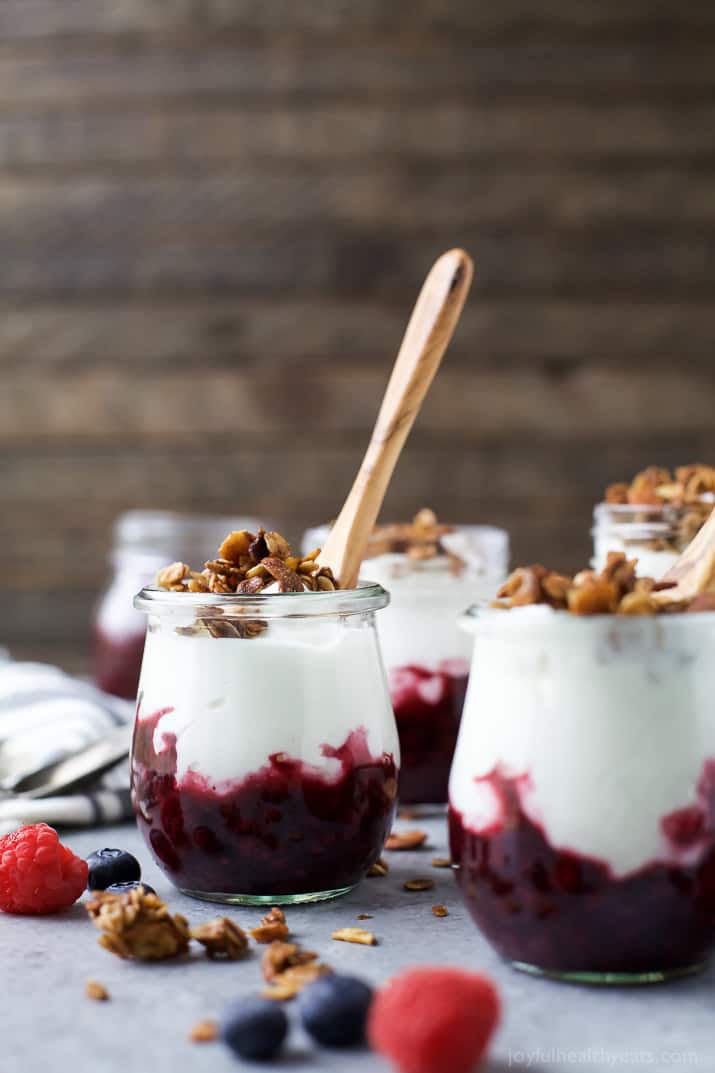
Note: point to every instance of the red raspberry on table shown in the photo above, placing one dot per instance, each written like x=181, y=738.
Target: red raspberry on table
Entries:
x=434, y=1020
x=37, y=873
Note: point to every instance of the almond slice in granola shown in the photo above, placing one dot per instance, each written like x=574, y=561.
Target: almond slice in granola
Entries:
x=399, y=840
x=355, y=935
x=288, y=580
x=94, y=990
x=204, y=1032
x=418, y=884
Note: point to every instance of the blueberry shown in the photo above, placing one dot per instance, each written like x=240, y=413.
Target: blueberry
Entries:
x=254, y=1028
x=334, y=1010
x=107, y=866
x=122, y=888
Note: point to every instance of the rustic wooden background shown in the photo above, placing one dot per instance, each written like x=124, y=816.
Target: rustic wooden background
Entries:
x=215, y=215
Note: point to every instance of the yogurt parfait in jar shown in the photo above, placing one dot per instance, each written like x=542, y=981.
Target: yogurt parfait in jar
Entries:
x=654, y=517
x=265, y=754
x=582, y=795
x=433, y=572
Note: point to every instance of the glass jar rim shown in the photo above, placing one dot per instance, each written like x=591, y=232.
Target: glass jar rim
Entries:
x=368, y=596
x=540, y=617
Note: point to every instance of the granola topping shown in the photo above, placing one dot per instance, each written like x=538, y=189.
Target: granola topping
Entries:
x=654, y=486
x=248, y=563
x=616, y=590
x=420, y=540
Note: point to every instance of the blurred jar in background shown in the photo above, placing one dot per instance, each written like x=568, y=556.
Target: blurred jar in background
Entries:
x=432, y=572
x=654, y=518
x=144, y=541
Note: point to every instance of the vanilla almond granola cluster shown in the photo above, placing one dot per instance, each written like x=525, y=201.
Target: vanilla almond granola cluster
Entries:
x=615, y=591
x=419, y=539
x=138, y=924
x=247, y=563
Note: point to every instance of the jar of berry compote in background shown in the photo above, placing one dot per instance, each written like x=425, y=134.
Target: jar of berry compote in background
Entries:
x=432, y=572
x=143, y=542
x=582, y=795
x=265, y=754
x=653, y=518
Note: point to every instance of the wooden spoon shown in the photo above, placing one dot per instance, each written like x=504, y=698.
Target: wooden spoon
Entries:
x=430, y=329
x=694, y=570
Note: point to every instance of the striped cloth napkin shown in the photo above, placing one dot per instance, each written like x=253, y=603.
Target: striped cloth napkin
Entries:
x=46, y=715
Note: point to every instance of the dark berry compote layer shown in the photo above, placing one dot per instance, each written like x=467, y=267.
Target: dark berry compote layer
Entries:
x=566, y=913
x=428, y=707
x=286, y=829
x=117, y=662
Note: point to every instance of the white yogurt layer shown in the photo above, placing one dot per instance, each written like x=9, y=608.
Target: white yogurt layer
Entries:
x=610, y=717
x=292, y=689
x=420, y=625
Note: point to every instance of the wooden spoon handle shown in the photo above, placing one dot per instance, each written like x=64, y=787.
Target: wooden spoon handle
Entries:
x=428, y=333
x=693, y=571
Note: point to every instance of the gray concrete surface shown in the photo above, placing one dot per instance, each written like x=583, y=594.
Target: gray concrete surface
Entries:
x=49, y=1025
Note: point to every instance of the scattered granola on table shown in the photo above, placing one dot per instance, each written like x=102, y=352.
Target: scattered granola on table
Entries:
x=355, y=935
x=614, y=591
x=138, y=925
x=94, y=990
x=440, y=911
x=204, y=1032
x=287, y=969
x=273, y=926
x=378, y=869
x=404, y=840
x=221, y=939
x=418, y=884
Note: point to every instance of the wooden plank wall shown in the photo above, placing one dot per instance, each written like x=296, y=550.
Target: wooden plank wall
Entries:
x=215, y=215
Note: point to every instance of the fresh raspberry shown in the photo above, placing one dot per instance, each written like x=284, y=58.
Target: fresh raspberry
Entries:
x=432, y=1020
x=37, y=873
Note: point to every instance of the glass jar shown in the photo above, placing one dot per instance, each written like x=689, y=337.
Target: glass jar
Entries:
x=582, y=795
x=144, y=541
x=655, y=534
x=265, y=754
x=425, y=653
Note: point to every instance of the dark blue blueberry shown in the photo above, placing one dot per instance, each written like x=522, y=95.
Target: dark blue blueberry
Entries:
x=122, y=888
x=334, y=1010
x=254, y=1028
x=107, y=866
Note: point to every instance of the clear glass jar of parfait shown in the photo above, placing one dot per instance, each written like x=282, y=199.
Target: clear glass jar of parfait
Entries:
x=582, y=795
x=433, y=572
x=143, y=541
x=265, y=754
x=654, y=517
